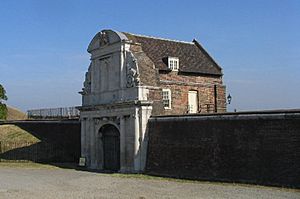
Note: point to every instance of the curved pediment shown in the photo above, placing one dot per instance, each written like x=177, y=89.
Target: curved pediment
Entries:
x=105, y=38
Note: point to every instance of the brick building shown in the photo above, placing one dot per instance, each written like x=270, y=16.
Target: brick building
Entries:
x=132, y=77
x=185, y=77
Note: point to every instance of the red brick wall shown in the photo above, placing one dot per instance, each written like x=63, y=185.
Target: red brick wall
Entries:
x=180, y=85
x=155, y=95
x=257, y=147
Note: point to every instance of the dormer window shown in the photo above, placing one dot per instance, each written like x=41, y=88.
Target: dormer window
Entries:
x=173, y=63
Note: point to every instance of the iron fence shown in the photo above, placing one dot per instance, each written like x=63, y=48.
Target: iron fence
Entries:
x=63, y=112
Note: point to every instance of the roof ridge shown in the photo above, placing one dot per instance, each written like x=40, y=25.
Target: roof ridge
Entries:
x=159, y=38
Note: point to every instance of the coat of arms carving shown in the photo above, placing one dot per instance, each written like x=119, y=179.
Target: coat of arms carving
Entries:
x=104, y=39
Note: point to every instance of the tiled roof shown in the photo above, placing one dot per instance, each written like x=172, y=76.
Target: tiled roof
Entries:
x=192, y=57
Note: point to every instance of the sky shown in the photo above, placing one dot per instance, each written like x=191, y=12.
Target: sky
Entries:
x=43, y=57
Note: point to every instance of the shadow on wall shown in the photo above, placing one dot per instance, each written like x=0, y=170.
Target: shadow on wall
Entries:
x=257, y=149
x=59, y=143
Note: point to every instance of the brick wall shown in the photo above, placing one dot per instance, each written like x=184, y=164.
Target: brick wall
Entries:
x=211, y=91
x=155, y=95
x=59, y=142
x=259, y=148
x=180, y=85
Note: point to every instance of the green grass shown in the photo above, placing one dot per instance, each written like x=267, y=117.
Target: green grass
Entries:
x=144, y=176
x=27, y=165
x=12, y=133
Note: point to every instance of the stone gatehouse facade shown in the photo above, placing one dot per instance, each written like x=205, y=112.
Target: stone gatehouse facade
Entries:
x=132, y=77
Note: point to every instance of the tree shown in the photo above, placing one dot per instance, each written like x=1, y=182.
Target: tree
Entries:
x=3, y=108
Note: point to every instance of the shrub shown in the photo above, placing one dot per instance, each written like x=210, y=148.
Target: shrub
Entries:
x=3, y=111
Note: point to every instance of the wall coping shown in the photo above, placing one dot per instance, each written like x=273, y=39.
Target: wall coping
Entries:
x=265, y=114
x=40, y=121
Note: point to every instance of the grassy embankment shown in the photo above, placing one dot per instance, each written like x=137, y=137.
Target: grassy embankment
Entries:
x=15, y=114
x=13, y=133
x=12, y=137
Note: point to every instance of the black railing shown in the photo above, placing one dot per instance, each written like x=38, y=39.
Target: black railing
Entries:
x=56, y=113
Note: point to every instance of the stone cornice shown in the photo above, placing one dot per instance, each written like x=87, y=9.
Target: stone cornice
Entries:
x=115, y=105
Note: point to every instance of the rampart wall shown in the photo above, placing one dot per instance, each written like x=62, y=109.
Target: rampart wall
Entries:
x=254, y=147
x=59, y=142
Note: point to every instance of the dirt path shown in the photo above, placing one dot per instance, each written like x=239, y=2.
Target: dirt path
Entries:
x=66, y=183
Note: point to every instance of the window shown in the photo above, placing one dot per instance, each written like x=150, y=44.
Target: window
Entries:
x=173, y=63
x=166, y=94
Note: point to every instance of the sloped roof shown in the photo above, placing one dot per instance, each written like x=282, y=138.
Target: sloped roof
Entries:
x=192, y=56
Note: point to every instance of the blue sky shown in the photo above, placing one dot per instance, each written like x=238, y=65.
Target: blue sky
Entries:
x=43, y=45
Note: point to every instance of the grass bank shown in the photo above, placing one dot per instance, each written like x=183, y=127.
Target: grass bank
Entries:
x=12, y=133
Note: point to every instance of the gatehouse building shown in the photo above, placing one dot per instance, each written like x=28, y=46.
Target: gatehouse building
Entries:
x=132, y=77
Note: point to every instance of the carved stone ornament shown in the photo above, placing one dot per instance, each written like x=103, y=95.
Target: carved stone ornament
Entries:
x=97, y=121
x=104, y=39
x=132, y=74
x=87, y=83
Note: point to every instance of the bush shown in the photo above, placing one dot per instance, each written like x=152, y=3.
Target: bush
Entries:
x=3, y=111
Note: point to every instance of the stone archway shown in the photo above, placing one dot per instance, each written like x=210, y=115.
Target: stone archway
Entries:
x=111, y=147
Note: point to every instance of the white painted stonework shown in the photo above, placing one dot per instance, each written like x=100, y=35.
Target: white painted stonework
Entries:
x=112, y=95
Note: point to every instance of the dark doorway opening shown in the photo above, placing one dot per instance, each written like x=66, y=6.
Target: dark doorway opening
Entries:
x=111, y=147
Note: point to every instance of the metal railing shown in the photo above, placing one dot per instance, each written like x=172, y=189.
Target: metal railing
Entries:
x=56, y=113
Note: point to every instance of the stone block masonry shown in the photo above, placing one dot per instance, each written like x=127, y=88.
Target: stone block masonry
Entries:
x=256, y=147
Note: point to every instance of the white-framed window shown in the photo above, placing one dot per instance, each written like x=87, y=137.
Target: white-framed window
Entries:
x=173, y=63
x=166, y=95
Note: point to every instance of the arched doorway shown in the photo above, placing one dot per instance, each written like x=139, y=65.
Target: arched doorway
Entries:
x=111, y=147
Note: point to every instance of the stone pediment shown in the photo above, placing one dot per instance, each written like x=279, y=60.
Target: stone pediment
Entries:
x=105, y=38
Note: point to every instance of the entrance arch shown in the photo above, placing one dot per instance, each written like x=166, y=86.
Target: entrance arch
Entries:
x=111, y=147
